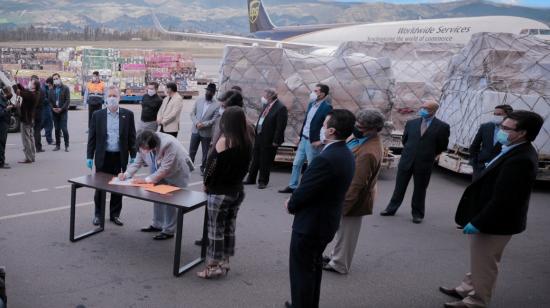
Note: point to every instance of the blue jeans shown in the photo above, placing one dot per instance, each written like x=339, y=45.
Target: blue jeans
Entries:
x=305, y=150
x=47, y=122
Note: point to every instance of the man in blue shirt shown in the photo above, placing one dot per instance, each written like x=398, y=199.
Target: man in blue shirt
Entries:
x=111, y=139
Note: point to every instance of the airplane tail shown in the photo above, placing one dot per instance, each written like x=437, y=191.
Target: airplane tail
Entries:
x=257, y=17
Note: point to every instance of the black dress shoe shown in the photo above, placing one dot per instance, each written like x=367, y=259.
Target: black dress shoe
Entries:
x=40, y=150
x=387, y=213
x=162, y=236
x=417, y=220
x=199, y=242
x=150, y=229
x=451, y=292
x=249, y=182
x=262, y=186
x=286, y=190
x=96, y=221
x=116, y=221
x=5, y=166
x=57, y=148
x=329, y=268
x=288, y=305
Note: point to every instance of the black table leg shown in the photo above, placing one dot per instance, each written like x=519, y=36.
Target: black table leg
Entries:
x=177, y=270
x=74, y=238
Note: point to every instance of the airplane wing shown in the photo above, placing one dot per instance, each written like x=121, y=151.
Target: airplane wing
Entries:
x=233, y=38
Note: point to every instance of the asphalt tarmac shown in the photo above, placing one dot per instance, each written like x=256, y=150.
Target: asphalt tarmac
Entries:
x=396, y=264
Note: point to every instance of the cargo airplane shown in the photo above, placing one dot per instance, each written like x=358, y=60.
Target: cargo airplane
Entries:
x=327, y=37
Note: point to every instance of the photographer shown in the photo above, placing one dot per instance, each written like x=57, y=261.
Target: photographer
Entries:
x=27, y=109
x=5, y=113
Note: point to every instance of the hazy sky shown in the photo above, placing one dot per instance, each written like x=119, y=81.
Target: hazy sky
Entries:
x=545, y=3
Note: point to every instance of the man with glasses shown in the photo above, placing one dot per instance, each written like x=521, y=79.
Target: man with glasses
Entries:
x=494, y=207
x=485, y=145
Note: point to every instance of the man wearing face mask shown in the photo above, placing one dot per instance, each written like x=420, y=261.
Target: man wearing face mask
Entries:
x=5, y=114
x=168, y=161
x=317, y=208
x=310, y=143
x=423, y=140
x=60, y=100
x=111, y=139
x=203, y=116
x=270, y=134
x=37, y=127
x=168, y=116
x=150, y=105
x=368, y=151
x=27, y=107
x=94, y=95
x=485, y=146
x=494, y=207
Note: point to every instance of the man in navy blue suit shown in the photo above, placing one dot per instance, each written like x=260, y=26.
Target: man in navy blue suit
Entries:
x=310, y=143
x=317, y=208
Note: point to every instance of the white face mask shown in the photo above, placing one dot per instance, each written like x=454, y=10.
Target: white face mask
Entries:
x=151, y=92
x=56, y=82
x=112, y=102
x=264, y=101
x=95, y=79
x=322, y=136
x=312, y=96
x=221, y=110
x=497, y=119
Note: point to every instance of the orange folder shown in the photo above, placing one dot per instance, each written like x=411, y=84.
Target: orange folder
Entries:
x=163, y=189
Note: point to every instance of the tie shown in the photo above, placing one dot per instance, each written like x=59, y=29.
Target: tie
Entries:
x=423, y=127
x=153, y=163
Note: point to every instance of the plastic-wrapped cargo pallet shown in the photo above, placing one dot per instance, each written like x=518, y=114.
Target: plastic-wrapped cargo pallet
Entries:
x=355, y=81
x=493, y=69
x=419, y=69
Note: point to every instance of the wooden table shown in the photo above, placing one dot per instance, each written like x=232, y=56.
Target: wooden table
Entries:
x=184, y=200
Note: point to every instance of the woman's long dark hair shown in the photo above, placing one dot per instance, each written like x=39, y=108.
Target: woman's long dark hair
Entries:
x=234, y=127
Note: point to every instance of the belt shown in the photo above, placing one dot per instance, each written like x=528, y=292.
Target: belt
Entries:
x=305, y=137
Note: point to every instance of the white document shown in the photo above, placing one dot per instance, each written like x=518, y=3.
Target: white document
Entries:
x=117, y=181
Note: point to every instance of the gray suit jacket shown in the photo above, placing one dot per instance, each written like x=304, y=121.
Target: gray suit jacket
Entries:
x=171, y=162
x=208, y=119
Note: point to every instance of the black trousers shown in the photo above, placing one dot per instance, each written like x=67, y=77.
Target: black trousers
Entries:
x=262, y=160
x=175, y=134
x=306, y=270
x=37, y=131
x=421, y=180
x=112, y=166
x=196, y=139
x=91, y=109
x=60, y=124
x=3, y=139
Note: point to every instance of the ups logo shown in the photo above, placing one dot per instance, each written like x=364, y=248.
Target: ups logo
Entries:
x=254, y=10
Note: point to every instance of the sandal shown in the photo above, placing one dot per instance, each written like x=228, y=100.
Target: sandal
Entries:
x=211, y=271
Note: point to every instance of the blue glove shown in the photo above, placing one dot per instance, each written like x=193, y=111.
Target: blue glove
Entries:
x=89, y=163
x=470, y=229
x=132, y=160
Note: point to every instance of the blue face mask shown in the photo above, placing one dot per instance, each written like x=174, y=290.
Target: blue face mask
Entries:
x=502, y=137
x=423, y=113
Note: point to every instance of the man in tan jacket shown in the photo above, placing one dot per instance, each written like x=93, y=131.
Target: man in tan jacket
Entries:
x=367, y=149
x=168, y=117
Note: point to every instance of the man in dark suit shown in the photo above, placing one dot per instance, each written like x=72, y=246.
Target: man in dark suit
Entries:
x=270, y=134
x=111, y=139
x=310, y=144
x=317, y=208
x=494, y=207
x=423, y=140
x=60, y=100
x=485, y=146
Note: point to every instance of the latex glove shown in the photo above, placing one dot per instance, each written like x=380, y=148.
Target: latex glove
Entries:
x=132, y=160
x=89, y=163
x=470, y=229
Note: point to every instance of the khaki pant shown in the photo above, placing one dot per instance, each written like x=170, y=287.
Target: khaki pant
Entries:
x=345, y=242
x=485, y=254
x=27, y=137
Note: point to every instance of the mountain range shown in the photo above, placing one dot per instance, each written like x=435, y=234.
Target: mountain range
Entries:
x=230, y=16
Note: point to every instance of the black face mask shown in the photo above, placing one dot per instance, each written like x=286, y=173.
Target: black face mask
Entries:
x=357, y=133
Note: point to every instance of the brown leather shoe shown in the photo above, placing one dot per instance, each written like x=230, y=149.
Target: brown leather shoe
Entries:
x=450, y=292
x=457, y=304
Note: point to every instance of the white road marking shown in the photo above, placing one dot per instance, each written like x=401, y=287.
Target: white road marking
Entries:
x=44, y=211
x=15, y=194
x=39, y=190
x=62, y=186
